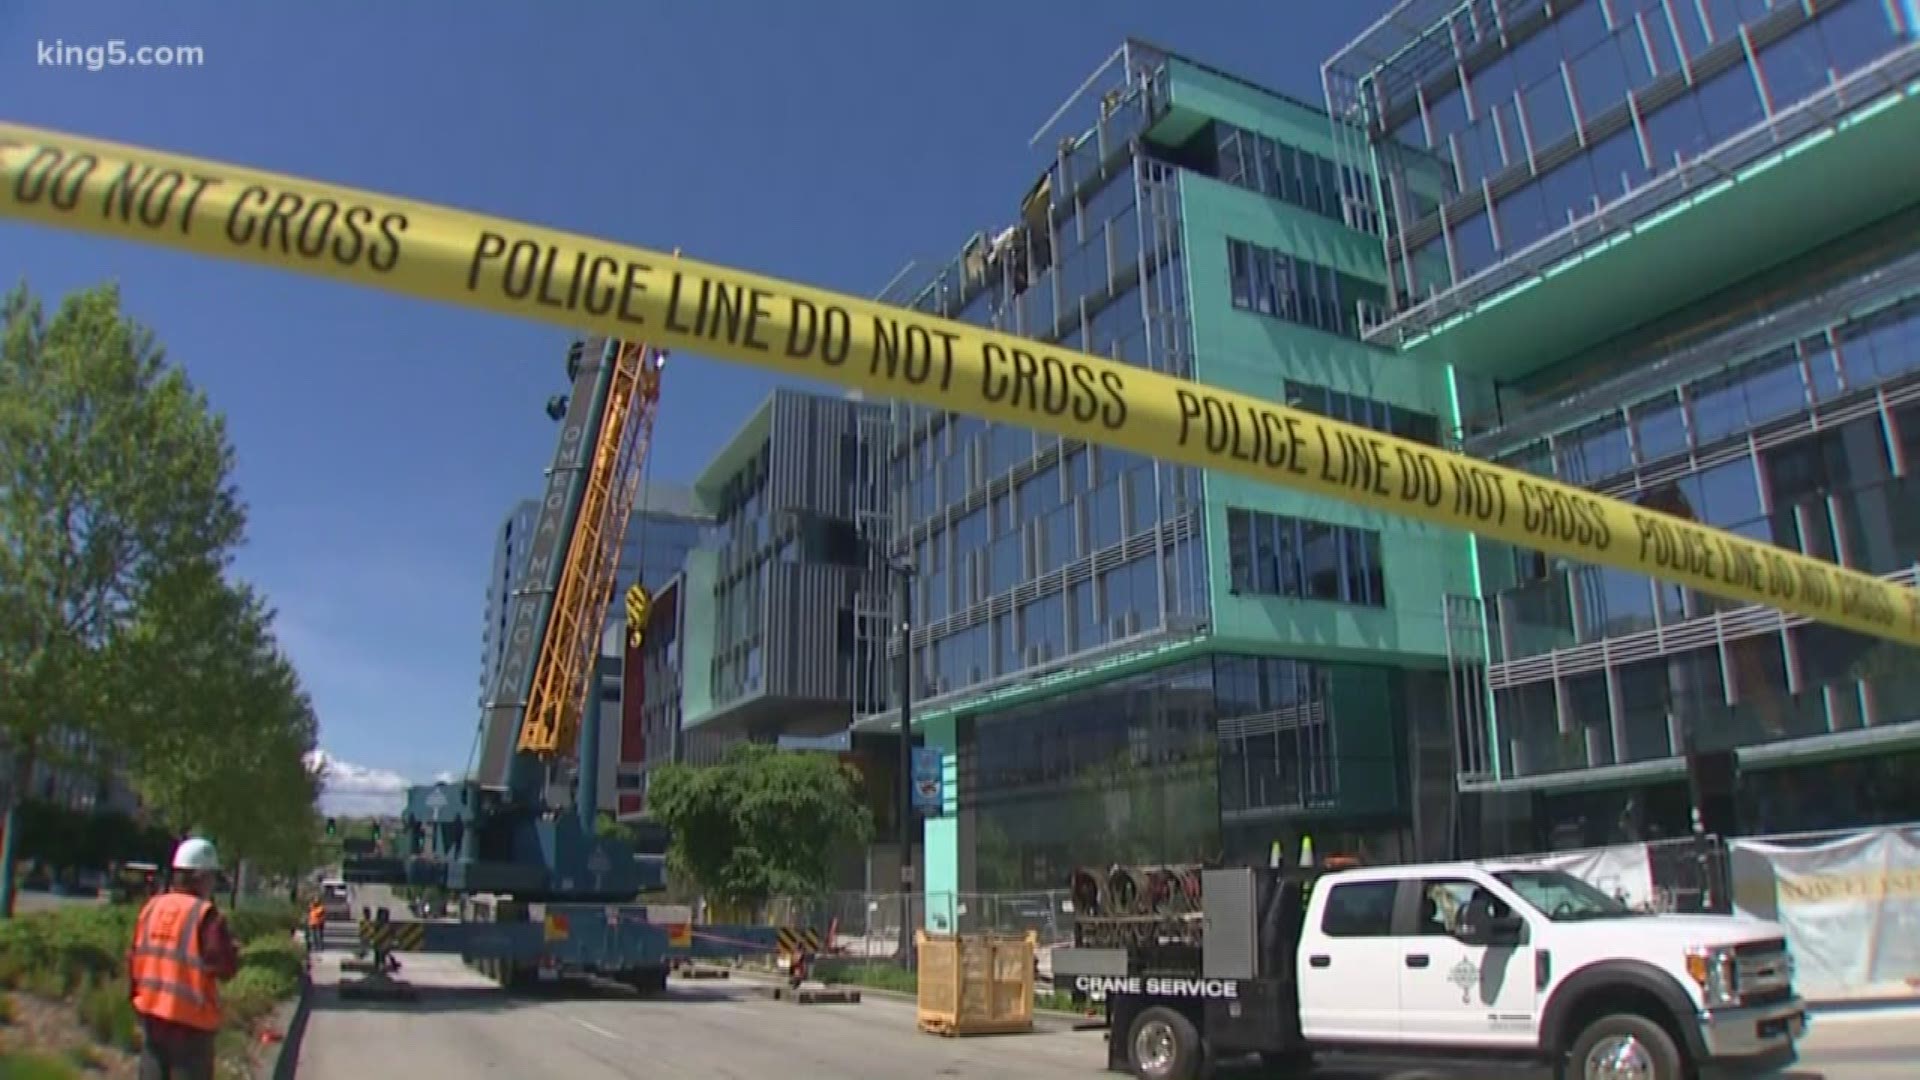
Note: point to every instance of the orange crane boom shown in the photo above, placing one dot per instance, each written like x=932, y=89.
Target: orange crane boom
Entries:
x=563, y=679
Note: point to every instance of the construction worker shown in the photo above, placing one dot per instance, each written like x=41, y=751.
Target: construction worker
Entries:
x=316, y=925
x=182, y=950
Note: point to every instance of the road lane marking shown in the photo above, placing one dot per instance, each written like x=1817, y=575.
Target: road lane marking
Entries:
x=595, y=1028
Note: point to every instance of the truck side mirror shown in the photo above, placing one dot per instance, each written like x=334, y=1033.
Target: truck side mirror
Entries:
x=1480, y=924
x=1506, y=930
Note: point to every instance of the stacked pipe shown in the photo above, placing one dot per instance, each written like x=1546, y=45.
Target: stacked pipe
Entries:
x=1137, y=906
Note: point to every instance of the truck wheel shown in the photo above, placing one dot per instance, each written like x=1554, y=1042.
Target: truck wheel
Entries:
x=1624, y=1045
x=1162, y=1044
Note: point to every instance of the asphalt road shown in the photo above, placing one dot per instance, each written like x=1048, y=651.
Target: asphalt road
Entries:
x=462, y=1025
x=376, y=897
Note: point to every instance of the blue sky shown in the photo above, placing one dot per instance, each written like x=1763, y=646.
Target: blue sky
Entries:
x=381, y=439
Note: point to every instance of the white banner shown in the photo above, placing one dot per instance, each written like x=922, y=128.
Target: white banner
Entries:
x=1621, y=871
x=1851, y=907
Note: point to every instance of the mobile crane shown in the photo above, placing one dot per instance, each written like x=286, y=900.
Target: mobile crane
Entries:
x=542, y=893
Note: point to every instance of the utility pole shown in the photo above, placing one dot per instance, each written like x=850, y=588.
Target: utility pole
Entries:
x=903, y=572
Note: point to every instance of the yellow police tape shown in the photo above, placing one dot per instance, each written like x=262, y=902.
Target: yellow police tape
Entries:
x=579, y=282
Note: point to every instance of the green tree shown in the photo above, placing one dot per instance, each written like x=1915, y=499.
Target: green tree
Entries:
x=225, y=731
x=996, y=858
x=114, y=475
x=284, y=839
x=762, y=823
x=608, y=827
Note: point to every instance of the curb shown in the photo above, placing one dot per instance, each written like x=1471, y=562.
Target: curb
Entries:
x=285, y=1061
x=1845, y=1006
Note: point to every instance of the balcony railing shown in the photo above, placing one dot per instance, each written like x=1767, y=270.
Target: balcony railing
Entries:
x=1813, y=114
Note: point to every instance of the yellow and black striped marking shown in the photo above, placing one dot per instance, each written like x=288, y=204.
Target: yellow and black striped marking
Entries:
x=791, y=940
x=393, y=936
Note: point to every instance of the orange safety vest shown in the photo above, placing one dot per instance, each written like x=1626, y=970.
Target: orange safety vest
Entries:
x=316, y=916
x=171, y=980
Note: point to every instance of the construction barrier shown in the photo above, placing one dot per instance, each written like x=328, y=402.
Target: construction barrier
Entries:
x=975, y=984
x=437, y=253
x=392, y=936
x=792, y=941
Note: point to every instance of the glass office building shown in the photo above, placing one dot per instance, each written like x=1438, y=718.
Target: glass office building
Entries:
x=1668, y=250
x=771, y=629
x=1124, y=658
x=666, y=524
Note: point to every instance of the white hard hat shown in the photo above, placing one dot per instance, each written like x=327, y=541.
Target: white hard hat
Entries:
x=196, y=854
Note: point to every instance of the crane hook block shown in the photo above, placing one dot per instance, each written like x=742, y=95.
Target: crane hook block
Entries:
x=638, y=604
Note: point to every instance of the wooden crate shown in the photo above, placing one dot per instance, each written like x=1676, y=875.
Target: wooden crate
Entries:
x=975, y=984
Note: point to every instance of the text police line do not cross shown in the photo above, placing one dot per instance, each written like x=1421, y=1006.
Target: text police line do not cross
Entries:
x=458, y=257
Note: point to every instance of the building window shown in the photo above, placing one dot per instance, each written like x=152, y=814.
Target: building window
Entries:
x=1566, y=93
x=1362, y=909
x=1258, y=163
x=1398, y=420
x=1273, y=283
x=1304, y=559
x=1277, y=744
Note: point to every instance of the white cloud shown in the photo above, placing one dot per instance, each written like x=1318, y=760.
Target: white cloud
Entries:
x=351, y=789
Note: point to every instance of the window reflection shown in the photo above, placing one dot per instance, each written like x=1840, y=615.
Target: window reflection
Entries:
x=1728, y=403
x=1398, y=420
x=1125, y=772
x=1057, y=516
x=1527, y=109
x=1140, y=769
x=1834, y=496
x=1272, y=555
x=1249, y=160
x=1269, y=282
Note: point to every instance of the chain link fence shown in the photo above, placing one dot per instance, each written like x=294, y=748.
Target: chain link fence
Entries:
x=864, y=928
x=1689, y=876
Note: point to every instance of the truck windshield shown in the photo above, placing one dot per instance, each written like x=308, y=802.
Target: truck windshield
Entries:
x=1562, y=897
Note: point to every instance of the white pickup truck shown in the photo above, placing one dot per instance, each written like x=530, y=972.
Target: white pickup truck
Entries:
x=1482, y=967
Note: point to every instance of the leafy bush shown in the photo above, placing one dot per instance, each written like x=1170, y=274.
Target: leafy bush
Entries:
x=233, y=1055
x=271, y=967
x=50, y=953
x=1055, y=1001
x=35, y=1067
x=881, y=976
x=255, y=992
x=261, y=917
x=79, y=952
x=277, y=953
x=106, y=1008
x=45, y=983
